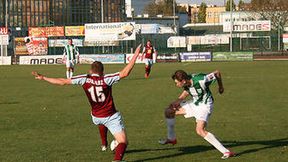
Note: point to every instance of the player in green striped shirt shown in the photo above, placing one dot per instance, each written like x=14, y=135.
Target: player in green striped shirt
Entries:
x=71, y=55
x=199, y=107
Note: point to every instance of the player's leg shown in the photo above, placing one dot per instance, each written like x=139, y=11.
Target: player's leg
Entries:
x=116, y=127
x=147, y=68
x=202, y=114
x=68, y=65
x=71, y=71
x=121, y=138
x=150, y=63
x=102, y=130
x=170, y=114
x=103, y=134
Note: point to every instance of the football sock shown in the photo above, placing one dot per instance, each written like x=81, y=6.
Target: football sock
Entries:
x=67, y=74
x=213, y=141
x=120, y=150
x=103, y=134
x=170, y=128
x=147, y=70
x=71, y=74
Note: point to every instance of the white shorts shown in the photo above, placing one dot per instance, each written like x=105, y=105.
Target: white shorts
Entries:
x=200, y=112
x=70, y=63
x=148, y=62
x=114, y=123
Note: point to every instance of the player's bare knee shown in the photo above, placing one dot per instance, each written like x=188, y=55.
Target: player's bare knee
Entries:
x=200, y=132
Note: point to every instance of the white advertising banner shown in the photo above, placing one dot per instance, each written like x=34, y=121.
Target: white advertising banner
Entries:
x=149, y=28
x=4, y=39
x=166, y=30
x=35, y=60
x=285, y=38
x=110, y=31
x=248, y=26
x=84, y=59
x=208, y=39
x=106, y=43
x=63, y=42
x=5, y=60
x=176, y=41
x=140, y=58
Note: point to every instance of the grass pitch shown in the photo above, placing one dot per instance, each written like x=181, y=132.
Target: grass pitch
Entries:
x=42, y=122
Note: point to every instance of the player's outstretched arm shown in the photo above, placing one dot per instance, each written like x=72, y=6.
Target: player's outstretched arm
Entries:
x=219, y=81
x=128, y=68
x=56, y=81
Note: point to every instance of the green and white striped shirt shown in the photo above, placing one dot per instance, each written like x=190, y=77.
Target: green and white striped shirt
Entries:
x=71, y=52
x=200, y=91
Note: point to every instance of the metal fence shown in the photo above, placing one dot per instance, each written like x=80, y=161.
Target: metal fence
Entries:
x=259, y=42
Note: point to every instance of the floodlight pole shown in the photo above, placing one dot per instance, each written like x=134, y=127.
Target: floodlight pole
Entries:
x=231, y=24
x=174, y=21
x=102, y=21
x=279, y=38
x=6, y=14
x=6, y=25
x=174, y=14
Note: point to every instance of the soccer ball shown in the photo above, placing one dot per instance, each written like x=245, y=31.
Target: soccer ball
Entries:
x=113, y=145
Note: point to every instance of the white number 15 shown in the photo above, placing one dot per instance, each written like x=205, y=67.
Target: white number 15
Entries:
x=97, y=92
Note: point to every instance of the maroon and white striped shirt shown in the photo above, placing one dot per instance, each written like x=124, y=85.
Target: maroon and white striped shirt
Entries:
x=98, y=90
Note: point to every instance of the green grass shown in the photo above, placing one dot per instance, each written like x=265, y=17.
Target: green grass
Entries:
x=42, y=122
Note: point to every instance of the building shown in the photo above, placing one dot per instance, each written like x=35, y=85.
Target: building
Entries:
x=239, y=16
x=213, y=14
x=25, y=13
x=194, y=10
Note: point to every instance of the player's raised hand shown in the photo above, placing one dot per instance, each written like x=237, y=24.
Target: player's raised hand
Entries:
x=138, y=49
x=37, y=75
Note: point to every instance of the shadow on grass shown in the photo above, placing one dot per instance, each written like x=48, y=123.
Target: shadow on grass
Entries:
x=266, y=144
x=183, y=151
x=9, y=103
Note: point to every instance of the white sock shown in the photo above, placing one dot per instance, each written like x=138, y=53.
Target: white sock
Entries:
x=170, y=128
x=213, y=141
x=67, y=74
x=71, y=74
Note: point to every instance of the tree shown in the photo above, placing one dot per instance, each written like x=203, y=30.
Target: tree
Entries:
x=202, y=13
x=180, y=9
x=164, y=7
x=274, y=10
x=241, y=5
x=228, y=5
x=151, y=9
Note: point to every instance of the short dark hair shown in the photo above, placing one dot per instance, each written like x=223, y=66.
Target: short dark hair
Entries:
x=180, y=75
x=97, y=67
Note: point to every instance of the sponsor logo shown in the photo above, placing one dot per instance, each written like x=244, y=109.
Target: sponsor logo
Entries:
x=46, y=61
x=3, y=30
x=252, y=27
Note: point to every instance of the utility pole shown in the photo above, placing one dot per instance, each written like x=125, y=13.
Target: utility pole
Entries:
x=4, y=47
x=102, y=21
x=174, y=20
x=279, y=38
x=231, y=24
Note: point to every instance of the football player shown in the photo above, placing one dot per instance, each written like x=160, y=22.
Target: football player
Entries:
x=98, y=89
x=199, y=107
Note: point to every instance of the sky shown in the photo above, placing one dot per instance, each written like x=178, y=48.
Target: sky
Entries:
x=139, y=5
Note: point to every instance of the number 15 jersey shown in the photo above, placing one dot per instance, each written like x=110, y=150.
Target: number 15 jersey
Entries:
x=99, y=92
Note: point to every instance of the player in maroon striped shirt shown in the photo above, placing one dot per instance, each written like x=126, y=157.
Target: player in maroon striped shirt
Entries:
x=148, y=51
x=98, y=88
